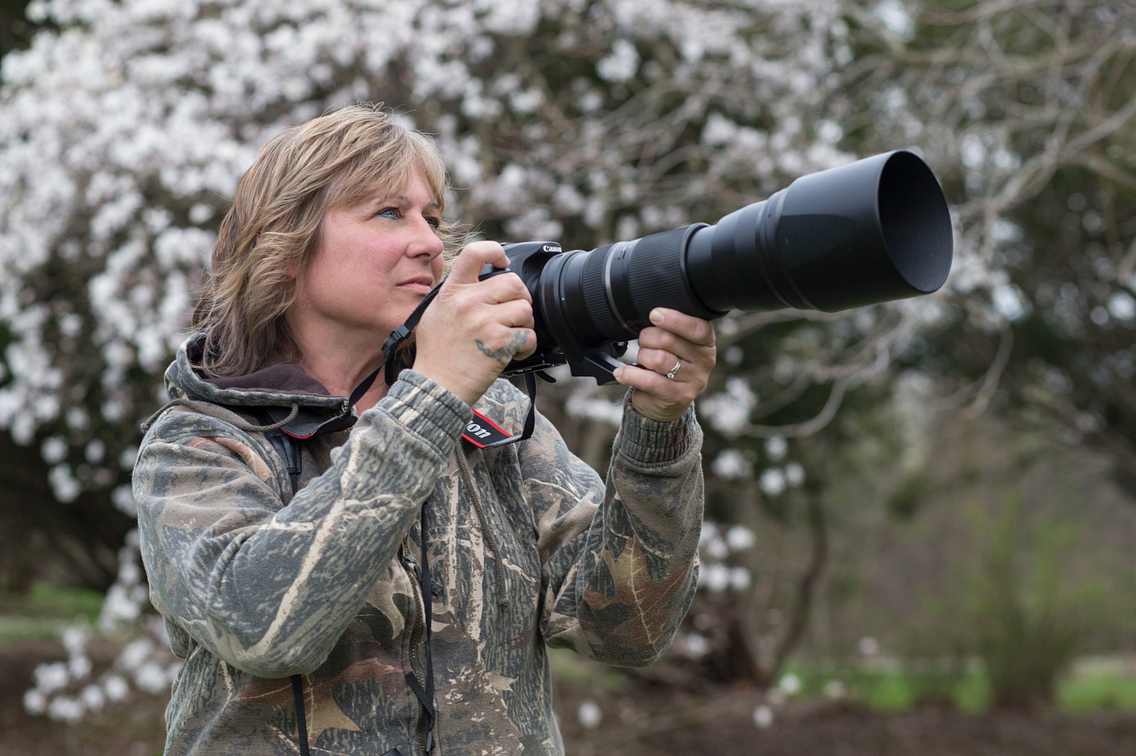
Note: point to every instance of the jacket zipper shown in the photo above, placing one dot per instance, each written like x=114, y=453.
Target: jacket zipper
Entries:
x=414, y=570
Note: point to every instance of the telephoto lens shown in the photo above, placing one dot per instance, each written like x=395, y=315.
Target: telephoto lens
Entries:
x=871, y=231
x=867, y=232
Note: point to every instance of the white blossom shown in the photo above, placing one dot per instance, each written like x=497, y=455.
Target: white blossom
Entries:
x=78, y=667
x=729, y=411
x=794, y=474
x=715, y=577
x=53, y=449
x=789, y=684
x=589, y=714
x=731, y=464
x=151, y=677
x=135, y=655
x=694, y=645
x=776, y=447
x=35, y=702
x=95, y=451
x=1122, y=306
x=773, y=482
x=740, y=538
x=66, y=709
x=93, y=698
x=1010, y=302
x=123, y=498
x=739, y=579
x=835, y=690
x=868, y=646
x=763, y=717
x=895, y=18
x=51, y=677
x=711, y=543
x=622, y=64
x=116, y=688
x=596, y=408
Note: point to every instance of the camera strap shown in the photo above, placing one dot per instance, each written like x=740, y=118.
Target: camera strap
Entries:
x=288, y=448
x=486, y=434
x=480, y=432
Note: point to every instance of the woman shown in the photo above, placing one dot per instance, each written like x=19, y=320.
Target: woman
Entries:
x=334, y=237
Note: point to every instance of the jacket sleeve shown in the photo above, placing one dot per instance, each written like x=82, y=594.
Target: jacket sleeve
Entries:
x=270, y=588
x=619, y=562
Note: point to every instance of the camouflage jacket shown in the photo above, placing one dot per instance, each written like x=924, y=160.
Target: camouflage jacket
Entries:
x=527, y=547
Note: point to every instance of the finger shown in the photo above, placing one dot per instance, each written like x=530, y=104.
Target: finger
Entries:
x=656, y=339
x=505, y=288
x=661, y=389
x=507, y=343
x=642, y=379
x=661, y=361
x=467, y=267
x=682, y=348
x=530, y=345
x=517, y=313
x=695, y=330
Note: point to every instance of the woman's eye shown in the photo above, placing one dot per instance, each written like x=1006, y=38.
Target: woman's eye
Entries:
x=435, y=223
x=389, y=212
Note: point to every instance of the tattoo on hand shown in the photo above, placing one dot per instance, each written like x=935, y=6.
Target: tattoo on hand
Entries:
x=516, y=344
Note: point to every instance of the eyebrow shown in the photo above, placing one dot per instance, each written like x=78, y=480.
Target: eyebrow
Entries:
x=405, y=201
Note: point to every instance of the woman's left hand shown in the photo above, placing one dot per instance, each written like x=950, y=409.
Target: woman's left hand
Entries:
x=676, y=355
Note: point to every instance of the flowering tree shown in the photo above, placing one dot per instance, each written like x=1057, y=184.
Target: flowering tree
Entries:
x=1025, y=110
x=1044, y=114
x=584, y=120
x=125, y=125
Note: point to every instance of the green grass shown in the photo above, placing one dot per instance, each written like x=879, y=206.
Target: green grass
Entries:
x=1092, y=685
x=44, y=610
x=569, y=667
x=1097, y=684
x=899, y=691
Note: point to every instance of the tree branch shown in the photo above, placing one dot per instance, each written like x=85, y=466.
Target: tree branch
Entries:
x=807, y=585
x=809, y=427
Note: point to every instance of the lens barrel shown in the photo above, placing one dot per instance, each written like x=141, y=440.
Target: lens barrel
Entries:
x=609, y=291
x=871, y=231
x=867, y=232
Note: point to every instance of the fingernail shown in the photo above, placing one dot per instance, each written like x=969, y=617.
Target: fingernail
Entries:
x=657, y=316
x=618, y=374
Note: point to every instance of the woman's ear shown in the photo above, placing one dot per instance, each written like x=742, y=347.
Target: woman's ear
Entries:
x=292, y=271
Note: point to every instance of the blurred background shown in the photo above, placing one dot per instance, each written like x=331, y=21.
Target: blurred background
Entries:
x=921, y=516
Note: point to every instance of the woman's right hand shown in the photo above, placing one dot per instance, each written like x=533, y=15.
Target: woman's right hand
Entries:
x=473, y=328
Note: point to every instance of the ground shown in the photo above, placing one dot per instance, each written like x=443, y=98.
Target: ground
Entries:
x=638, y=720
x=724, y=725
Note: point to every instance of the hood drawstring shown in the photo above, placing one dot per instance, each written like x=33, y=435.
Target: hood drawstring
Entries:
x=486, y=531
x=212, y=410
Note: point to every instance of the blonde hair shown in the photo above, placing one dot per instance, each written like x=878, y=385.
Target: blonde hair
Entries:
x=272, y=229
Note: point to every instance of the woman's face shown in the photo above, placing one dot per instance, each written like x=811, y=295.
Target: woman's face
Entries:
x=375, y=262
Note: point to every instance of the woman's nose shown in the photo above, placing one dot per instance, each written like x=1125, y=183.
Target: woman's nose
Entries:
x=426, y=241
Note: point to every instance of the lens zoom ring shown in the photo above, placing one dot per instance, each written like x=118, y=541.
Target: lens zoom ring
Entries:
x=595, y=296
x=655, y=276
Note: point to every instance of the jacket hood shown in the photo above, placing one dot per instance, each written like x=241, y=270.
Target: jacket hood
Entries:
x=277, y=384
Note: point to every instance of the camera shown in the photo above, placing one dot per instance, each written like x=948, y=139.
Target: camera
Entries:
x=871, y=231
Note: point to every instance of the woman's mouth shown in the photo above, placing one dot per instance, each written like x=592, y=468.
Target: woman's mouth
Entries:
x=418, y=285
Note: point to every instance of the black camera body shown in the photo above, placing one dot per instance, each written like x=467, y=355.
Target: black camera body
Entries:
x=540, y=264
x=868, y=232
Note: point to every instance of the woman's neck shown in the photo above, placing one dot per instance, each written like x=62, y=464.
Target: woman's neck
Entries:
x=340, y=368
